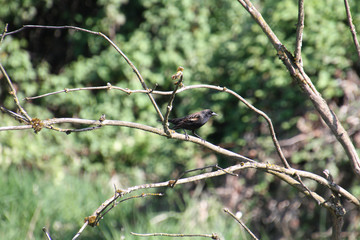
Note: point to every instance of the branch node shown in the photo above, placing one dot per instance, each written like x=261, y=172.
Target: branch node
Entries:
x=102, y=118
x=36, y=124
x=109, y=86
x=92, y=220
x=172, y=183
x=152, y=90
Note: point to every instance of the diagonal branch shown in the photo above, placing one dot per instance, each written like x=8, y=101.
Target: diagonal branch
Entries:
x=13, y=93
x=241, y=223
x=280, y=172
x=246, y=162
x=352, y=27
x=136, y=71
x=306, y=85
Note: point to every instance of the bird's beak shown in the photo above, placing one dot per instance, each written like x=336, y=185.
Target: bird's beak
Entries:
x=213, y=114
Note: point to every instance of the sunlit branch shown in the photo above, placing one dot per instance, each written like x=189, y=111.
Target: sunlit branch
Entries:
x=299, y=33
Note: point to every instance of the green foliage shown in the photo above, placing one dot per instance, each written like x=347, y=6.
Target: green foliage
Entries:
x=215, y=41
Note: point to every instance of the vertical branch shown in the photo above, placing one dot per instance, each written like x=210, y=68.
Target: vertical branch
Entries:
x=178, y=75
x=3, y=35
x=299, y=33
x=352, y=27
x=337, y=219
x=13, y=93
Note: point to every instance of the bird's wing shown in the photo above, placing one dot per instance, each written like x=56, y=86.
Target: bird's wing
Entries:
x=192, y=118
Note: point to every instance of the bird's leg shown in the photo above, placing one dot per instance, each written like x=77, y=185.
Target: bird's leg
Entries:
x=186, y=135
x=193, y=132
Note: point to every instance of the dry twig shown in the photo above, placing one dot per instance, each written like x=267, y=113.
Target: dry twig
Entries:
x=241, y=223
x=352, y=27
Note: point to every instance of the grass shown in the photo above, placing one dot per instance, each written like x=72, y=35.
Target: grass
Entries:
x=31, y=200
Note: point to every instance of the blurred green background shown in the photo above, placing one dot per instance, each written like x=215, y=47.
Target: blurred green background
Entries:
x=55, y=180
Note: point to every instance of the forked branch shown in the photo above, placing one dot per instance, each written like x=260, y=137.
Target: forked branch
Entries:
x=305, y=83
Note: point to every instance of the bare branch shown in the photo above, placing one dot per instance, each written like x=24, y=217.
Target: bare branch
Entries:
x=81, y=230
x=136, y=71
x=5, y=31
x=108, y=205
x=18, y=117
x=46, y=233
x=241, y=223
x=13, y=93
x=299, y=34
x=9, y=128
x=305, y=83
x=173, y=183
x=218, y=88
x=284, y=174
x=212, y=236
x=179, y=75
x=235, y=156
x=352, y=27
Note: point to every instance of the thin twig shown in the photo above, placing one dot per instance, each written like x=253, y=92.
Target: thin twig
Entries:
x=352, y=27
x=173, y=183
x=299, y=34
x=241, y=223
x=4, y=32
x=212, y=236
x=81, y=230
x=94, y=219
x=46, y=233
x=13, y=93
x=179, y=75
x=18, y=117
x=68, y=131
x=105, y=208
x=67, y=90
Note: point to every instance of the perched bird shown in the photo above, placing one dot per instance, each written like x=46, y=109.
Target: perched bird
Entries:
x=192, y=121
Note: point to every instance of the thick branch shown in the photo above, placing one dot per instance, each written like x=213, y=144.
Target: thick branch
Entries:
x=282, y=173
x=305, y=83
x=218, y=88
